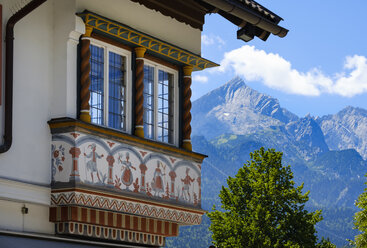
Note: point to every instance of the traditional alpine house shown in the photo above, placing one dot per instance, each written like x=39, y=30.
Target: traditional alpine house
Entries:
x=95, y=115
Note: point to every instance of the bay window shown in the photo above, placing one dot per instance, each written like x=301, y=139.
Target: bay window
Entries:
x=111, y=93
x=110, y=87
x=160, y=103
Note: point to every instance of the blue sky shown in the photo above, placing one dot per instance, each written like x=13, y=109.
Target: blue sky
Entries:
x=320, y=67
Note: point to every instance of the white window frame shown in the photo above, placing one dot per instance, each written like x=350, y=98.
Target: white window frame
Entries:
x=128, y=78
x=157, y=67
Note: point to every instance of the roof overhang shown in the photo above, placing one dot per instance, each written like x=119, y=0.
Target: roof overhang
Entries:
x=252, y=18
x=188, y=11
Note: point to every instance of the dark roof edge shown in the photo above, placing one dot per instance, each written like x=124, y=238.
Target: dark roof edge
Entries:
x=249, y=16
x=256, y=7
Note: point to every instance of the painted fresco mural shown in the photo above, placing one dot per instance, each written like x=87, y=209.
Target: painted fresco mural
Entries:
x=105, y=163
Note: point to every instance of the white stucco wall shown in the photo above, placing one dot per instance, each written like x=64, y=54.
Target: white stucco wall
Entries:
x=29, y=157
x=14, y=196
x=140, y=18
x=44, y=86
x=36, y=221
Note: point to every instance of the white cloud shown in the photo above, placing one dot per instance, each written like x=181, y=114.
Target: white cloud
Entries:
x=206, y=40
x=209, y=40
x=354, y=81
x=277, y=73
x=200, y=79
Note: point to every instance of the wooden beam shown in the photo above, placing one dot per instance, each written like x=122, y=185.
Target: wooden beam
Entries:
x=187, y=11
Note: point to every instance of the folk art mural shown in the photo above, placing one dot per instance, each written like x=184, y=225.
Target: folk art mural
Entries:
x=124, y=168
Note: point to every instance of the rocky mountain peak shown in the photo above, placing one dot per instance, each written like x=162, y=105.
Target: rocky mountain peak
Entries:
x=234, y=84
x=346, y=129
x=237, y=108
x=349, y=110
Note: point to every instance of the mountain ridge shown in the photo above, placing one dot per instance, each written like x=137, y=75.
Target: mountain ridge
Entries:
x=346, y=129
x=234, y=107
x=237, y=108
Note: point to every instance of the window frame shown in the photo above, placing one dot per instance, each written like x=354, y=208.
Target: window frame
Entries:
x=128, y=83
x=159, y=66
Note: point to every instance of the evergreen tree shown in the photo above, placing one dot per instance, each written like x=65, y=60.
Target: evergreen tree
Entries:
x=263, y=208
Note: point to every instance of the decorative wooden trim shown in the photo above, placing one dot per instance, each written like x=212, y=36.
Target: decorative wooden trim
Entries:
x=108, y=233
x=85, y=80
x=88, y=31
x=188, y=11
x=139, y=91
x=186, y=126
x=161, y=61
x=135, y=38
x=117, y=220
x=68, y=124
x=111, y=41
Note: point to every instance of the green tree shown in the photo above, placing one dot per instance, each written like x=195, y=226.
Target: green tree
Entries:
x=263, y=208
x=360, y=220
x=325, y=243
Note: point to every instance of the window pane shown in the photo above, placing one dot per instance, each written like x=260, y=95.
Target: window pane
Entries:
x=165, y=107
x=96, y=85
x=148, y=116
x=117, y=91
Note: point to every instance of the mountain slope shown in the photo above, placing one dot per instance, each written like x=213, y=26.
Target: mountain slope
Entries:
x=346, y=129
x=309, y=137
x=238, y=109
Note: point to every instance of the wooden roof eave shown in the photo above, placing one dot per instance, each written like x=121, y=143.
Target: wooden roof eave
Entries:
x=188, y=11
x=232, y=11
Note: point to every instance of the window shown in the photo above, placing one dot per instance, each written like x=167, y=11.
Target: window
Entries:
x=160, y=103
x=109, y=88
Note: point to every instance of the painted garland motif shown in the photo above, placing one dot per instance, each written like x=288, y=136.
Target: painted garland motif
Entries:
x=57, y=159
x=103, y=163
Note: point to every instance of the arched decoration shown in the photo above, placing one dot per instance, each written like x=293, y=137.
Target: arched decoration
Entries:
x=187, y=164
x=157, y=156
x=117, y=166
x=120, y=148
x=87, y=139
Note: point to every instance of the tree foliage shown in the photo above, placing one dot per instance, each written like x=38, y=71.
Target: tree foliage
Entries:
x=360, y=220
x=263, y=208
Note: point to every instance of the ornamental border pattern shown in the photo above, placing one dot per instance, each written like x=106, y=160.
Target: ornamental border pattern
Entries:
x=86, y=230
x=125, y=206
x=130, y=35
x=114, y=220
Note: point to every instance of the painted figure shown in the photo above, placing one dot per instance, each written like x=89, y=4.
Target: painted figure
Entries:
x=57, y=159
x=186, y=185
x=127, y=175
x=157, y=184
x=92, y=163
